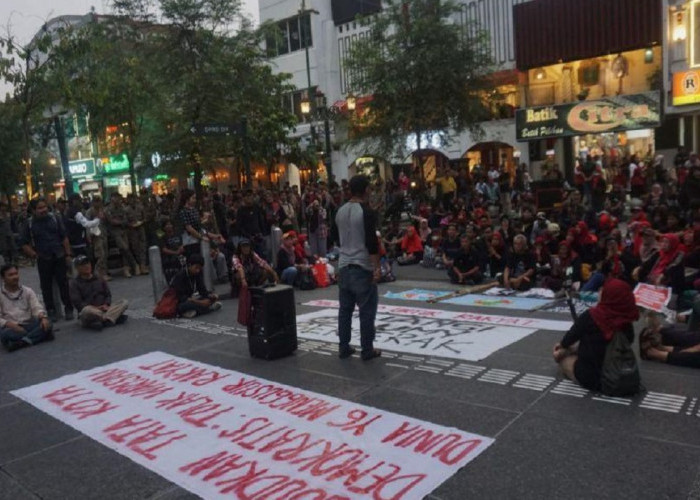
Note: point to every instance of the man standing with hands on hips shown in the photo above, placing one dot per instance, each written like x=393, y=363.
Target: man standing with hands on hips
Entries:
x=359, y=269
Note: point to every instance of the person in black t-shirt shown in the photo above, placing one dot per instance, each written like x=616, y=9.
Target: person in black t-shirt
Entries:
x=520, y=269
x=465, y=267
x=450, y=246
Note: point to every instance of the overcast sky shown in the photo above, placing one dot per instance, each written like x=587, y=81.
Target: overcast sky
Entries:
x=24, y=17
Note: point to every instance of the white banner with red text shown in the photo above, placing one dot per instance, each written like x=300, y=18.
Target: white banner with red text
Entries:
x=224, y=434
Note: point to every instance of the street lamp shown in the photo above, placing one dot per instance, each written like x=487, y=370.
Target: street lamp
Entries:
x=305, y=104
x=352, y=102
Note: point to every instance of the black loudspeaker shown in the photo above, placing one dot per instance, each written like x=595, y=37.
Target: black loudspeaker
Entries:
x=272, y=328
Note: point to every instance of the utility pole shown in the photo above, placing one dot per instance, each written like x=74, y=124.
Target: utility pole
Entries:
x=311, y=95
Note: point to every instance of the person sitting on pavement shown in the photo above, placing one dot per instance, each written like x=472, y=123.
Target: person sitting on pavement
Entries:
x=675, y=344
x=520, y=269
x=287, y=266
x=218, y=260
x=581, y=351
x=92, y=298
x=666, y=267
x=249, y=269
x=23, y=320
x=465, y=268
x=411, y=247
x=193, y=298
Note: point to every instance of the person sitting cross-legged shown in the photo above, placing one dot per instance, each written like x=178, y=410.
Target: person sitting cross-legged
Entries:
x=465, y=268
x=23, y=320
x=92, y=298
x=193, y=298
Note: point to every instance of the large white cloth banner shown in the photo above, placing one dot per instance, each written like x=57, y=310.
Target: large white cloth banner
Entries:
x=224, y=434
x=417, y=334
x=470, y=317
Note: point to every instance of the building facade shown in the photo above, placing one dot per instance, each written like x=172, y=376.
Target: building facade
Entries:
x=334, y=27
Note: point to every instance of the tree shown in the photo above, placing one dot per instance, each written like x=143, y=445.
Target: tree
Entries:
x=424, y=71
x=11, y=148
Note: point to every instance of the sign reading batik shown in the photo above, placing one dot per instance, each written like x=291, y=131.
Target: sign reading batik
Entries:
x=470, y=317
x=224, y=434
x=417, y=334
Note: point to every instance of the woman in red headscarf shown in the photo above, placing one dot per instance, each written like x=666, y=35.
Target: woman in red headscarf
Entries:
x=666, y=268
x=581, y=352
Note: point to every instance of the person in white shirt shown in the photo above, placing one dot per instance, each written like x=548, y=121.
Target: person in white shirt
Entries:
x=23, y=320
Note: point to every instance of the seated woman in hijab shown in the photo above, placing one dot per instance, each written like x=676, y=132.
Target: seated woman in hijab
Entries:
x=666, y=267
x=581, y=352
x=249, y=269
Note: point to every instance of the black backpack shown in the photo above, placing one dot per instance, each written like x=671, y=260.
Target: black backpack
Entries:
x=620, y=373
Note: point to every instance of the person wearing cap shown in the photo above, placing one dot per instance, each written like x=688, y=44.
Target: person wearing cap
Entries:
x=249, y=269
x=23, y=320
x=92, y=298
x=193, y=298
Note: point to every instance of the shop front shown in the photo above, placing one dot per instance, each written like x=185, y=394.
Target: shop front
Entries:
x=83, y=175
x=115, y=174
x=611, y=127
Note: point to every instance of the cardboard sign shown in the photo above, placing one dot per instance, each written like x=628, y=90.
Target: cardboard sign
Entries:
x=224, y=434
x=417, y=334
x=470, y=317
x=654, y=298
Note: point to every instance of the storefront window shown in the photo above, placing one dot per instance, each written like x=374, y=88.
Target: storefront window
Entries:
x=615, y=145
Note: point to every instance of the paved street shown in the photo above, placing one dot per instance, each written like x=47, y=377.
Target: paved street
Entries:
x=552, y=439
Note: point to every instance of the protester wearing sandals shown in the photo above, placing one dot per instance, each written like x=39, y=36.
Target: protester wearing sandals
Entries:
x=581, y=352
x=359, y=269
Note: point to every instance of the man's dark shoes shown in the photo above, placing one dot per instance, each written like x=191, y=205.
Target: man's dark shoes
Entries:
x=346, y=353
x=122, y=319
x=49, y=336
x=374, y=353
x=14, y=345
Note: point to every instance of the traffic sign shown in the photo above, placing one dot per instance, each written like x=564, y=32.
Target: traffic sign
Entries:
x=216, y=129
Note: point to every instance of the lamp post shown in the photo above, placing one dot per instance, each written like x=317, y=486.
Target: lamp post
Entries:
x=309, y=106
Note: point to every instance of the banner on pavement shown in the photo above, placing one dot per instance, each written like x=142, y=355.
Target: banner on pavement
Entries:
x=418, y=334
x=224, y=434
x=470, y=317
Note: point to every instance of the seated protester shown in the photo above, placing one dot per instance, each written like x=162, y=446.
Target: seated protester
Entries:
x=610, y=266
x=172, y=251
x=497, y=253
x=449, y=247
x=424, y=231
x=411, y=248
x=519, y=273
x=543, y=264
x=386, y=265
x=676, y=344
x=644, y=244
x=564, y=259
x=91, y=297
x=392, y=239
x=211, y=228
x=193, y=298
x=23, y=320
x=465, y=268
x=249, y=269
x=287, y=265
x=218, y=260
x=581, y=352
x=480, y=245
x=666, y=268
x=584, y=243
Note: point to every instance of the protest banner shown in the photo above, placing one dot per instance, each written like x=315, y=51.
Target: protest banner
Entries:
x=418, y=334
x=523, y=303
x=416, y=294
x=224, y=434
x=654, y=298
x=470, y=317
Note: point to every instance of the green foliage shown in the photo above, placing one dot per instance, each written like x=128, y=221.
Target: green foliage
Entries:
x=425, y=72
x=11, y=147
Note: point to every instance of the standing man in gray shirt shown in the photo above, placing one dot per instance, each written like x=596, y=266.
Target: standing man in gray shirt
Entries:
x=359, y=269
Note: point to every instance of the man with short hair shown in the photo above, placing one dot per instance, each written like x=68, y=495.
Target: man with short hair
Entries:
x=44, y=239
x=359, y=269
x=465, y=268
x=23, y=320
x=98, y=237
x=193, y=298
x=117, y=218
x=520, y=268
x=92, y=298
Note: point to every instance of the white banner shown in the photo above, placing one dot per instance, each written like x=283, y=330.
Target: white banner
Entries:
x=225, y=434
x=490, y=319
x=417, y=335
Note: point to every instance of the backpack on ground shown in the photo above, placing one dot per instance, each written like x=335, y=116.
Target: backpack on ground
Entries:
x=166, y=308
x=620, y=373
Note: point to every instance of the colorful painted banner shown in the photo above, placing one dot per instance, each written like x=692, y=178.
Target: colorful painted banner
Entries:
x=512, y=302
x=416, y=294
x=224, y=434
x=417, y=334
x=654, y=298
x=470, y=317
